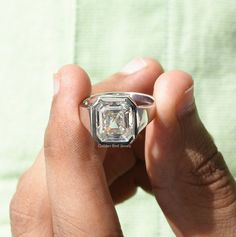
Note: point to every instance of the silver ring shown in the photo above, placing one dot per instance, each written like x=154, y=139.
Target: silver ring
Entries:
x=117, y=117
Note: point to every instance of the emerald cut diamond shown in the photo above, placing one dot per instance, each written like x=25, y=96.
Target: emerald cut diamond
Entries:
x=115, y=120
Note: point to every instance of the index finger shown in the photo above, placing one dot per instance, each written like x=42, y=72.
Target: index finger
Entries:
x=140, y=80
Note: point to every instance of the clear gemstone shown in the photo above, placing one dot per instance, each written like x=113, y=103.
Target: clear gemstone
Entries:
x=115, y=120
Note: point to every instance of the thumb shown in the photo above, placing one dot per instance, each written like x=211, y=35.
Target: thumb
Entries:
x=80, y=200
x=188, y=174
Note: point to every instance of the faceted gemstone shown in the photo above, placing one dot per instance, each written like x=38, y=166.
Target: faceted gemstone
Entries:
x=114, y=120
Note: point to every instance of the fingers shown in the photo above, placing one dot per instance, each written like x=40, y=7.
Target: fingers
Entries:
x=188, y=174
x=80, y=200
x=29, y=210
x=140, y=79
x=25, y=216
x=164, y=133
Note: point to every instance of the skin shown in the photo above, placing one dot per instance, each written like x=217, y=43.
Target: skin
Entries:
x=71, y=190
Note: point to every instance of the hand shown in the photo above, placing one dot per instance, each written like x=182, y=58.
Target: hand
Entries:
x=30, y=208
x=180, y=156
x=189, y=177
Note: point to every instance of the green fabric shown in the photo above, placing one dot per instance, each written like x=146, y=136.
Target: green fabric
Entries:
x=38, y=37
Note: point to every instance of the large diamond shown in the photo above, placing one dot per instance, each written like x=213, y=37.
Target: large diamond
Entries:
x=115, y=120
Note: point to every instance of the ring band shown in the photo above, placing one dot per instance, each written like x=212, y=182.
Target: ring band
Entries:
x=117, y=117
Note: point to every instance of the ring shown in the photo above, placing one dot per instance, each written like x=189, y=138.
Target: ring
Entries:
x=117, y=117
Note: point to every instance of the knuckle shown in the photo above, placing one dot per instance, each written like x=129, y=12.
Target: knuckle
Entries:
x=28, y=210
x=206, y=163
x=206, y=173
x=23, y=224
x=210, y=181
x=210, y=170
x=19, y=200
x=20, y=217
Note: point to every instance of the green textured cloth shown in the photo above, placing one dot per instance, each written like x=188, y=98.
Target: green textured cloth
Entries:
x=38, y=37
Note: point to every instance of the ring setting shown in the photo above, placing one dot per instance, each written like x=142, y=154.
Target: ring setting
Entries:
x=116, y=118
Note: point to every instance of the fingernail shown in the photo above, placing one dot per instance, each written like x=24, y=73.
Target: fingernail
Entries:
x=134, y=66
x=187, y=102
x=56, y=84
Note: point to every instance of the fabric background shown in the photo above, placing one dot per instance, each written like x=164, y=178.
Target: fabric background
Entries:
x=37, y=37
